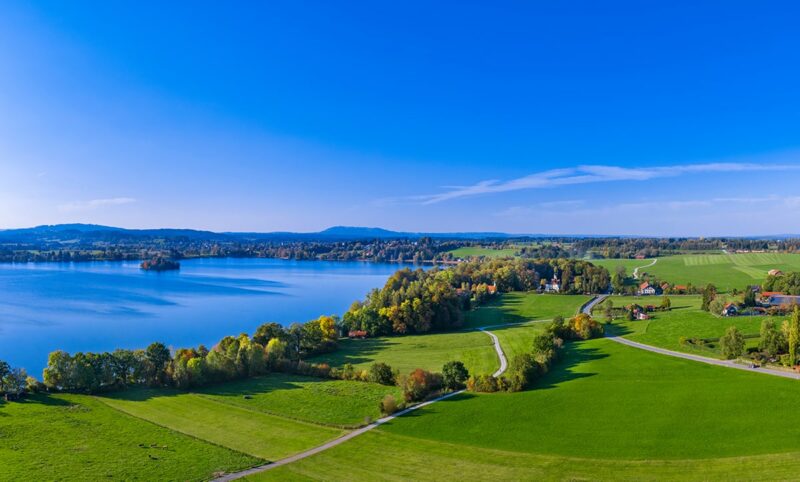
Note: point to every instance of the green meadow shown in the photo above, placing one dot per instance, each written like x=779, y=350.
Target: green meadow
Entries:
x=685, y=319
x=726, y=271
x=607, y=411
x=406, y=353
x=478, y=251
x=77, y=437
x=522, y=307
x=327, y=402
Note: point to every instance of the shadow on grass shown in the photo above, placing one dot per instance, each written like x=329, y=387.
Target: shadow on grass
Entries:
x=616, y=329
x=236, y=388
x=355, y=351
x=496, y=312
x=574, y=355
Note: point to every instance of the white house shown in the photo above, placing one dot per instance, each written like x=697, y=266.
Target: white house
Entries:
x=554, y=286
x=646, y=289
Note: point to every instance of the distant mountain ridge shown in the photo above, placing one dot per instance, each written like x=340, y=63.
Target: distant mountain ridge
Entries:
x=66, y=232
x=62, y=232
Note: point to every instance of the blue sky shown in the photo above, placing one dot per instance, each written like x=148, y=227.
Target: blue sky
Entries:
x=528, y=117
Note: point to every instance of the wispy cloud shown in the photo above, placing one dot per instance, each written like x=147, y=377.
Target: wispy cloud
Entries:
x=95, y=204
x=591, y=174
x=580, y=208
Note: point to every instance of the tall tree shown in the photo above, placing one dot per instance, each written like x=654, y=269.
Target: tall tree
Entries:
x=794, y=336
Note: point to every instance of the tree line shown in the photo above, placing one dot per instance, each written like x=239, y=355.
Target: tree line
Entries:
x=546, y=348
x=411, y=301
x=420, y=301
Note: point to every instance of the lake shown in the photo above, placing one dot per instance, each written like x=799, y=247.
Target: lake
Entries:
x=100, y=306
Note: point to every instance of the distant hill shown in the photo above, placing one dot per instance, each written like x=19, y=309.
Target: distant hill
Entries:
x=71, y=232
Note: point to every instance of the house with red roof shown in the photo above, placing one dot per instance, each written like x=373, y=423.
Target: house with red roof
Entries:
x=646, y=289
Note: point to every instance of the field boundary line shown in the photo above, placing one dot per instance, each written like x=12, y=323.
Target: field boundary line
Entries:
x=362, y=430
x=199, y=439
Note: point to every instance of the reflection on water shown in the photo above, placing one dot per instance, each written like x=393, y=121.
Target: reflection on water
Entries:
x=104, y=305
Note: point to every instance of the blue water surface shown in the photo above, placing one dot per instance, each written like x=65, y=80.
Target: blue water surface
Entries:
x=100, y=306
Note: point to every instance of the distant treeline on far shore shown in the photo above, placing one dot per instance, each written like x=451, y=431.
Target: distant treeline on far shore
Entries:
x=106, y=244
x=412, y=301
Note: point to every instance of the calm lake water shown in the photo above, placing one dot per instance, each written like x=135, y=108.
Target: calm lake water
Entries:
x=100, y=306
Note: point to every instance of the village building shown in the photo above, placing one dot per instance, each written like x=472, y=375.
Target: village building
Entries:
x=554, y=286
x=775, y=272
x=730, y=310
x=779, y=299
x=646, y=289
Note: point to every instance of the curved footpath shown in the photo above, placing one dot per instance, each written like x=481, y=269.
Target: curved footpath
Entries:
x=355, y=433
x=587, y=308
x=636, y=270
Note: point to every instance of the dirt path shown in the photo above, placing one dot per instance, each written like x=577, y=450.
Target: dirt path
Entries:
x=355, y=433
x=636, y=270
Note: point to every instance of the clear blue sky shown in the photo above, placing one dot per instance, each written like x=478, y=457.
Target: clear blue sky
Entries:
x=661, y=118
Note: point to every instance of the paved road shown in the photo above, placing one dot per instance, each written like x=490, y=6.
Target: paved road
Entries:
x=636, y=270
x=703, y=359
x=587, y=308
x=355, y=433
x=500, y=354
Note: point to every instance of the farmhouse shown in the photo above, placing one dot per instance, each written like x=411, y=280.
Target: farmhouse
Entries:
x=775, y=272
x=730, y=310
x=779, y=299
x=646, y=289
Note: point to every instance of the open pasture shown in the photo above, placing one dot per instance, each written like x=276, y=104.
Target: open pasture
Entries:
x=606, y=411
x=406, y=353
x=726, y=271
x=522, y=307
x=686, y=320
x=478, y=251
x=77, y=437
x=248, y=431
x=327, y=402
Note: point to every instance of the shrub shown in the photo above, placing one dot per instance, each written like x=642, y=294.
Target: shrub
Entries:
x=419, y=384
x=522, y=371
x=732, y=343
x=583, y=327
x=544, y=348
x=389, y=405
x=482, y=383
x=381, y=373
x=454, y=374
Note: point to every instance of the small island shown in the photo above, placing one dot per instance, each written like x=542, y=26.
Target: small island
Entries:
x=160, y=264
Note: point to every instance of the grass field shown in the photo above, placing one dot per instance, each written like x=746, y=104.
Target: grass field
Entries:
x=521, y=307
x=76, y=437
x=726, y=271
x=248, y=431
x=329, y=402
x=472, y=251
x=384, y=456
x=474, y=348
x=606, y=411
x=686, y=319
x=407, y=353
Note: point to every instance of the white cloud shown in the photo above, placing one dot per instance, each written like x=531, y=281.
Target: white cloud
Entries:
x=592, y=174
x=95, y=204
